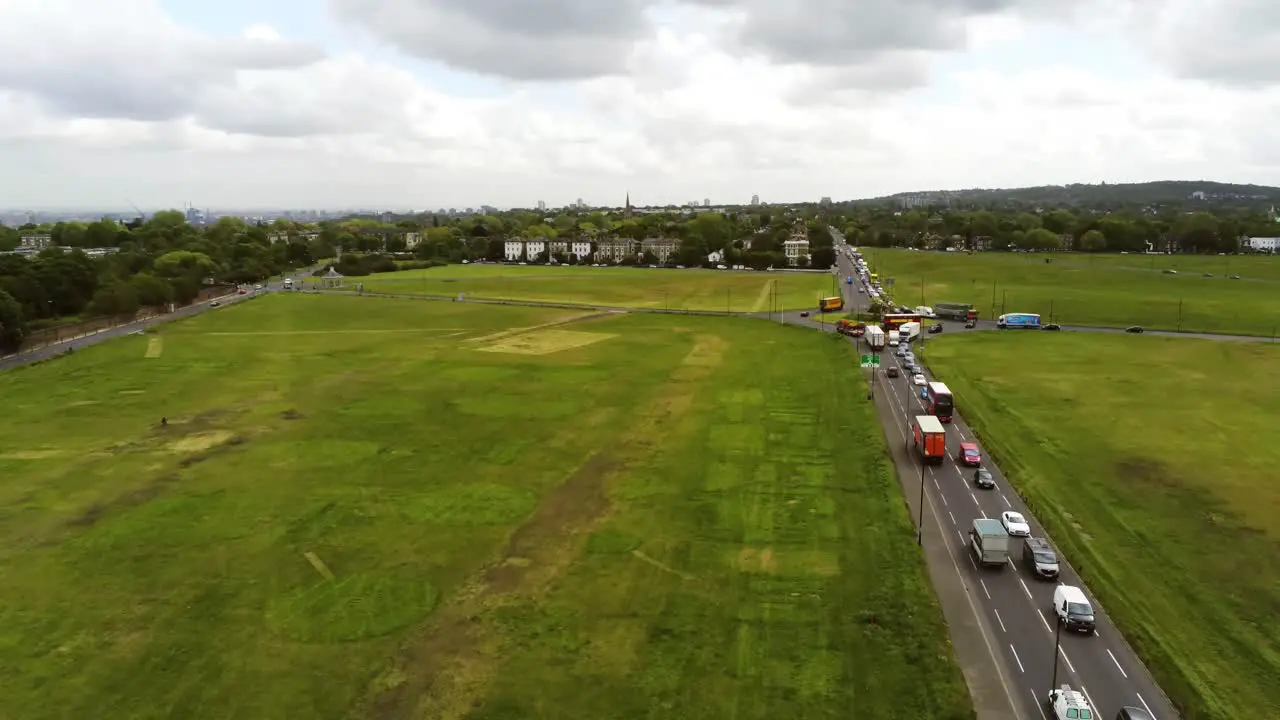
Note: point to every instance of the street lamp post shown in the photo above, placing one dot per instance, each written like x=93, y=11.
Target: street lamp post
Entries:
x=920, y=518
x=1179, y=314
x=1057, y=645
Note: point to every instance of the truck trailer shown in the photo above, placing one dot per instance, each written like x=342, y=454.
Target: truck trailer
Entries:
x=875, y=337
x=929, y=438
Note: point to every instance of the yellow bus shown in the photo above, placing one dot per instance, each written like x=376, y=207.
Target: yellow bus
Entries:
x=829, y=304
x=875, y=278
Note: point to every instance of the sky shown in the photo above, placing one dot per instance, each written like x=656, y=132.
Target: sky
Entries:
x=422, y=104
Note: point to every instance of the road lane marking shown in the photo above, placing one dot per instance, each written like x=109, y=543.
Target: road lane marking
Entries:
x=1145, y=705
x=1117, y=662
x=1006, y=500
x=1045, y=623
x=953, y=522
x=1002, y=627
x=1026, y=590
x=983, y=514
x=975, y=500
x=1036, y=700
x=935, y=484
x=1072, y=668
x=1018, y=659
x=1015, y=567
x=986, y=592
x=961, y=538
x=944, y=497
x=1092, y=704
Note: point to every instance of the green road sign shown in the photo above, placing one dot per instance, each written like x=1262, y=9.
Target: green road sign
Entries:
x=870, y=361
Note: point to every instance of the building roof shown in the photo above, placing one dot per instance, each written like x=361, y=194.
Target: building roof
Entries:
x=333, y=273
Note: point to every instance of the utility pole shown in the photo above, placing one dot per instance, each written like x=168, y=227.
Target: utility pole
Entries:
x=920, y=519
x=1179, y=314
x=1057, y=644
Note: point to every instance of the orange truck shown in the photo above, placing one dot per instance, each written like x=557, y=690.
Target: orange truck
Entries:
x=831, y=304
x=930, y=438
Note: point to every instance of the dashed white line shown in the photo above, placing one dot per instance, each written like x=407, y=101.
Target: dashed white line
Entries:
x=1145, y=705
x=944, y=497
x=1072, y=667
x=935, y=484
x=1026, y=589
x=1117, y=662
x=1086, y=694
x=1018, y=659
x=1006, y=500
x=985, y=591
x=953, y=522
x=999, y=620
x=961, y=538
x=1045, y=623
x=1035, y=700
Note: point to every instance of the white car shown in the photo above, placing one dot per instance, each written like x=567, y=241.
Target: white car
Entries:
x=1015, y=524
x=918, y=379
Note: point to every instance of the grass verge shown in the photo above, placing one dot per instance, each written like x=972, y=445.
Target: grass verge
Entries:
x=1109, y=291
x=1150, y=462
x=622, y=516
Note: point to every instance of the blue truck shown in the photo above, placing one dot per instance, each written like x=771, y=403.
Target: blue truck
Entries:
x=1013, y=321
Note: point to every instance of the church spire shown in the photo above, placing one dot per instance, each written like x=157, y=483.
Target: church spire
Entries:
x=628, y=207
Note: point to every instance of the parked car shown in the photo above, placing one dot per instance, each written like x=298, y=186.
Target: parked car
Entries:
x=1015, y=524
x=983, y=478
x=1135, y=329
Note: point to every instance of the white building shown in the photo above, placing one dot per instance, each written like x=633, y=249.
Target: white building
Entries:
x=534, y=248
x=796, y=249
x=580, y=249
x=412, y=240
x=35, y=242
x=513, y=250
x=558, y=247
x=1265, y=244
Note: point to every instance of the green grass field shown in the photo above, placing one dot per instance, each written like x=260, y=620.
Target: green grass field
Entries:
x=1152, y=462
x=372, y=508
x=718, y=290
x=1108, y=290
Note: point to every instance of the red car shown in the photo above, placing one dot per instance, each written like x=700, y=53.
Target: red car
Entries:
x=969, y=455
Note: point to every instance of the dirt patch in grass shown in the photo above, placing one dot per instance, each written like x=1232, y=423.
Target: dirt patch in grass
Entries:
x=442, y=673
x=92, y=514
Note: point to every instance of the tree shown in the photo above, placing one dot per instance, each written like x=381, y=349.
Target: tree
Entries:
x=1093, y=241
x=117, y=298
x=13, y=325
x=1040, y=239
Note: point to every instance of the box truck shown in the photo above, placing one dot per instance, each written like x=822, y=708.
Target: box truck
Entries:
x=930, y=439
x=989, y=542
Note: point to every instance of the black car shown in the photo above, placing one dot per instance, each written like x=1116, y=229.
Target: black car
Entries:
x=1040, y=558
x=804, y=314
x=935, y=328
x=891, y=371
x=1129, y=712
x=1135, y=329
x=1051, y=326
x=982, y=478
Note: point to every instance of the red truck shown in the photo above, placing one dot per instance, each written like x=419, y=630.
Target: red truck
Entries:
x=930, y=438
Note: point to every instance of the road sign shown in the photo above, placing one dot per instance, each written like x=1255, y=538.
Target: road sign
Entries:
x=870, y=361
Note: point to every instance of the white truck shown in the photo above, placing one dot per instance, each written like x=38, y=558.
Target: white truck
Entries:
x=989, y=542
x=1067, y=704
x=288, y=283
x=908, y=331
x=924, y=311
x=875, y=337
x=894, y=338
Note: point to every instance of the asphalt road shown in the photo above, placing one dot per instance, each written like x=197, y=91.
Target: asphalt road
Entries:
x=1015, y=607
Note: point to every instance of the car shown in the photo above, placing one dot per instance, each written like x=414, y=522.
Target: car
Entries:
x=969, y=454
x=924, y=393
x=1051, y=326
x=970, y=324
x=1129, y=712
x=900, y=352
x=918, y=379
x=1040, y=558
x=1170, y=272
x=891, y=371
x=935, y=328
x=1015, y=524
x=804, y=314
x=1134, y=329
x=215, y=303
x=983, y=478
x=1235, y=277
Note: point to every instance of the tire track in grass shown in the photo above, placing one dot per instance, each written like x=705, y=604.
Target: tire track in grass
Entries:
x=763, y=298
x=442, y=672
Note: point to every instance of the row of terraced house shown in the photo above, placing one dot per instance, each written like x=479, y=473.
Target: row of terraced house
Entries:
x=613, y=249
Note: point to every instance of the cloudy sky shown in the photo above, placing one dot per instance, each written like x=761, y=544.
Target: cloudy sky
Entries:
x=426, y=103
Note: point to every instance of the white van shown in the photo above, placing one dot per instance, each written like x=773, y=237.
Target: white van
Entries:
x=1073, y=609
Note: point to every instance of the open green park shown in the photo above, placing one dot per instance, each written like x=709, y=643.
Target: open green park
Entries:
x=1152, y=463
x=370, y=507
x=688, y=289
x=1103, y=290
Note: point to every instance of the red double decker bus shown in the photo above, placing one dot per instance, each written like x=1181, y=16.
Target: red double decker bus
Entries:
x=893, y=321
x=938, y=401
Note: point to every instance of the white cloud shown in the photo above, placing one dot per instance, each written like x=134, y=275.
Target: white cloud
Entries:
x=132, y=104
